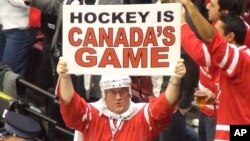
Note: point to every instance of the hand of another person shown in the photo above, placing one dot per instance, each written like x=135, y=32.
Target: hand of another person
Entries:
x=62, y=68
x=180, y=69
x=203, y=97
x=210, y=98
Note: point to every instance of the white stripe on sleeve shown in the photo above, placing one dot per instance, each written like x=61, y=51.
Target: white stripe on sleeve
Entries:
x=207, y=55
x=234, y=61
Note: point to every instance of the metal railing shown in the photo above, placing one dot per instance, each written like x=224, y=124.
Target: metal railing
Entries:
x=49, y=95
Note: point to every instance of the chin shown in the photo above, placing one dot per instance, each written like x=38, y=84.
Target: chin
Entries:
x=119, y=111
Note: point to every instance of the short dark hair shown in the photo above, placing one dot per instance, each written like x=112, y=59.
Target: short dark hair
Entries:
x=233, y=23
x=233, y=6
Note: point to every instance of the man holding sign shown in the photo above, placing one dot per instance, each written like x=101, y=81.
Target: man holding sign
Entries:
x=114, y=116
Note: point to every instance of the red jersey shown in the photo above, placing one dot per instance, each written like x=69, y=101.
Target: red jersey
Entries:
x=144, y=125
x=209, y=73
x=245, y=49
x=234, y=85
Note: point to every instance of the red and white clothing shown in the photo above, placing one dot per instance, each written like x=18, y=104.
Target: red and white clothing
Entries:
x=234, y=85
x=142, y=122
x=244, y=49
x=234, y=96
x=209, y=73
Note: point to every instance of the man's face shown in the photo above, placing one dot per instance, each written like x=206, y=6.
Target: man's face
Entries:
x=117, y=99
x=219, y=25
x=213, y=10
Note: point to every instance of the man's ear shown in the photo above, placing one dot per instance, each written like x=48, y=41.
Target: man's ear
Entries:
x=230, y=37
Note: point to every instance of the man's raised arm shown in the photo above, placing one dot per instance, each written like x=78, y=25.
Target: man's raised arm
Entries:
x=173, y=89
x=205, y=29
x=65, y=85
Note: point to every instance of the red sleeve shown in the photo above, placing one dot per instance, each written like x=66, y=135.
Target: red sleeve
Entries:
x=160, y=112
x=217, y=48
x=194, y=47
x=224, y=55
x=74, y=112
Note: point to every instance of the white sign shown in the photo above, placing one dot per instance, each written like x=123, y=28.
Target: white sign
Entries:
x=141, y=39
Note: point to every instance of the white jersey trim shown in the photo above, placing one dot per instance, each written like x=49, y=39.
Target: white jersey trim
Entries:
x=234, y=62
x=225, y=58
x=223, y=127
x=146, y=114
x=207, y=55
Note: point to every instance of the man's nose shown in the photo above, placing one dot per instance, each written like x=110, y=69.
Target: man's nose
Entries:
x=117, y=95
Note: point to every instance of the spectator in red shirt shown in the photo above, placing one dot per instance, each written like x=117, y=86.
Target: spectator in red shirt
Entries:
x=115, y=116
